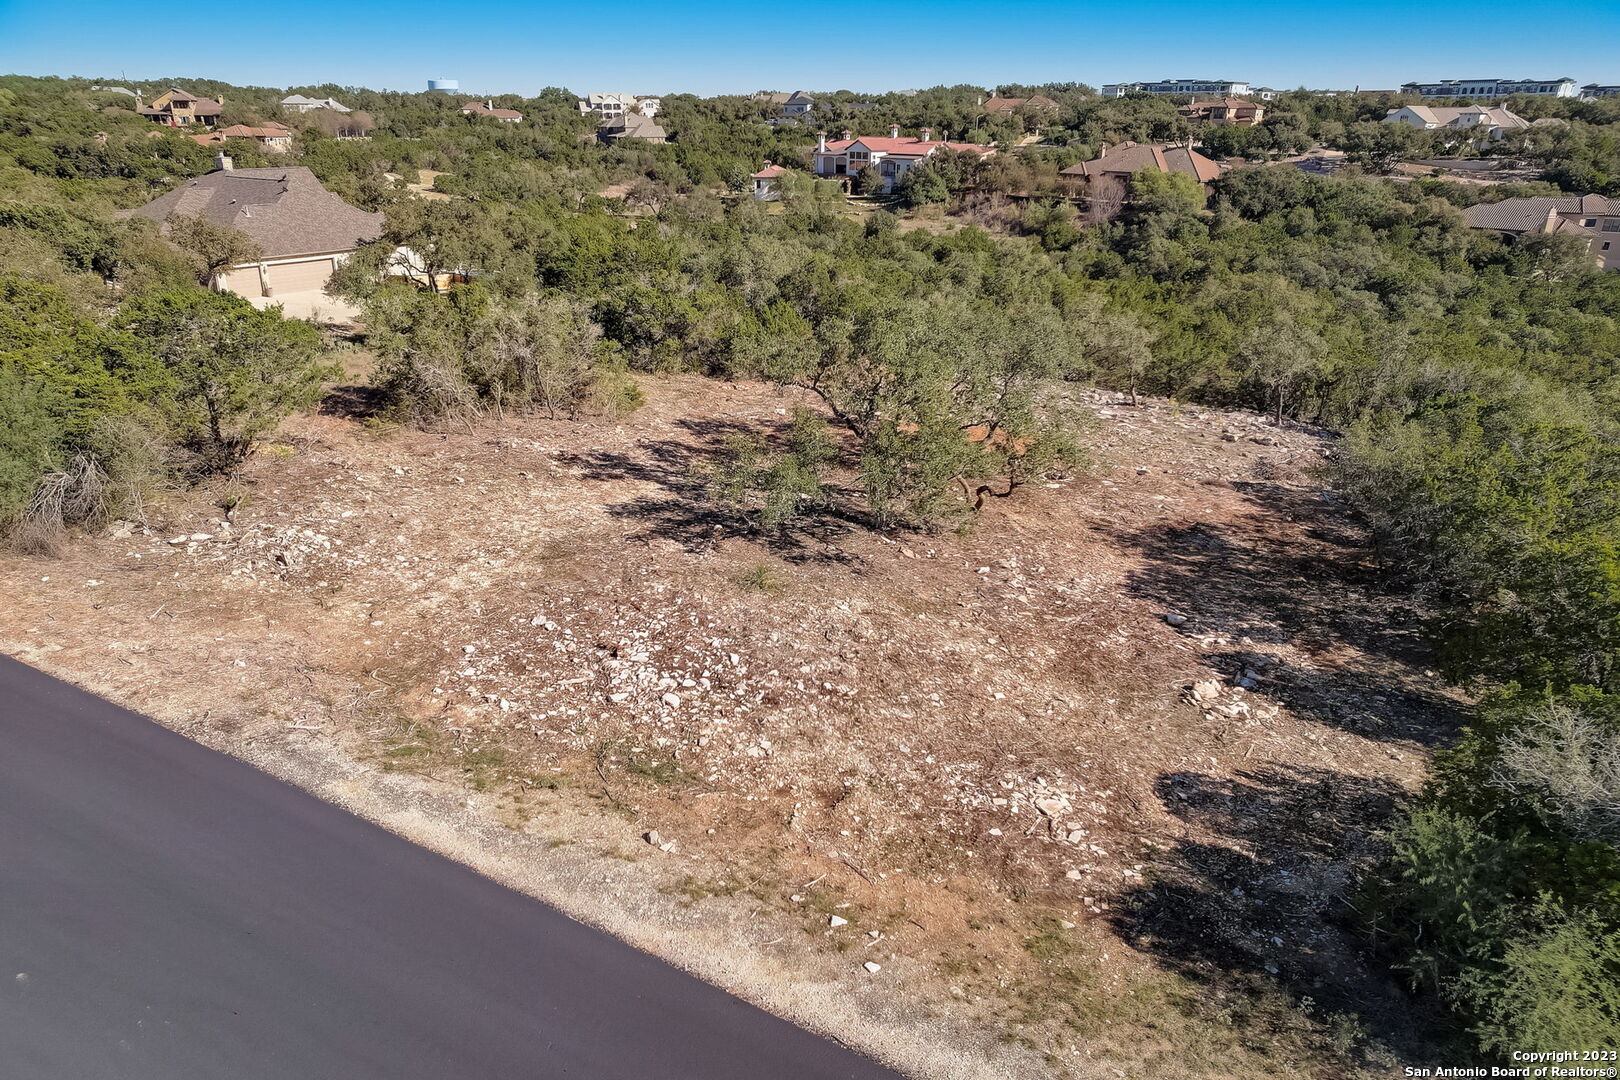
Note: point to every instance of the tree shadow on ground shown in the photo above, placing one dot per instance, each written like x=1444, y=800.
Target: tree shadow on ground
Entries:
x=1259, y=893
x=685, y=514
x=1250, y=584
x=354, y=402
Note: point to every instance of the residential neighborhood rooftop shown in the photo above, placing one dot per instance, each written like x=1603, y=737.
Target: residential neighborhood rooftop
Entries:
x=285, y=210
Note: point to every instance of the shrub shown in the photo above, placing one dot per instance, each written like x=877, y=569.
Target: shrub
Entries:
x=228, y=372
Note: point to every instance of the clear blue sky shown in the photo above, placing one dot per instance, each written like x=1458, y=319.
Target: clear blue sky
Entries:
x=659, y=47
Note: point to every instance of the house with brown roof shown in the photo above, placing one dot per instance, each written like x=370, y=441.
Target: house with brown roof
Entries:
x=1120, y=163
x=270, y=135
x=1593, y=218
x=486, y=110
x=1235, y=111
x=1007, y=106
x=176, y=107
x=894, y=156
x=631, y=125
x=304, y=231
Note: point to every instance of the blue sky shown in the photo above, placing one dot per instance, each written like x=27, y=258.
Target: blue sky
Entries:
x=660, y=47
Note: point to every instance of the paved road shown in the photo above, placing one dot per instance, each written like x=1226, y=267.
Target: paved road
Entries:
x=169, y=913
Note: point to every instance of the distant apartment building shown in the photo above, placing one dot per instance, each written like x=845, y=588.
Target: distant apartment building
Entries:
x=1491, y=88
x=1592, y=91
x=1212, y=87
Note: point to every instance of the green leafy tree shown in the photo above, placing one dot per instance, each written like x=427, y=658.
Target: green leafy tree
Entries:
x=210, y=248
x=229, y=372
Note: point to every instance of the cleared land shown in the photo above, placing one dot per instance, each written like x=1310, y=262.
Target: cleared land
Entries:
x=1076, y=836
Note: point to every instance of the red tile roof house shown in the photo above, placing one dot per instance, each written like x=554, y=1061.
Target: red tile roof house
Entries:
x=765, y=189
x=271, y=136
x=487, y=110
x=894, y=156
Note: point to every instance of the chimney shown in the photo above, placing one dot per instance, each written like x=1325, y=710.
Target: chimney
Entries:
x=848, y=135
x=223, y=162
x=490, y=104
x=894, y=131
x=927, y=134
x=1102, y=150
x=821, y=145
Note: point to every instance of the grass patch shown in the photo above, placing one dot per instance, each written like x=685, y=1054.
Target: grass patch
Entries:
x=762, y=577
x=1178, y=1024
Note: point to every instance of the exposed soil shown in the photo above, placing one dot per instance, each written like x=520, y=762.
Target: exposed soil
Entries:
x=1130, y=733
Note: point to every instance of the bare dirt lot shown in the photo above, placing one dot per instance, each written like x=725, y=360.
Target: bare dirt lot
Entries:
x=1087, y=783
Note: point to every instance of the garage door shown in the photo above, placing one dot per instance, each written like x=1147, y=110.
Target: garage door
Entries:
x=297, y=277
x=242, y=282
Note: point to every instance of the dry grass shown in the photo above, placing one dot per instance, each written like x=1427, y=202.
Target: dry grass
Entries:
x=971, y=739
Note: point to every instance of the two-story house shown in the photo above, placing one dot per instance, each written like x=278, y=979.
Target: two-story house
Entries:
x=894, y=156
x=609, y=106
x=1593, y=218
x=798, y=103
x=1235, y=111
x=176, y=107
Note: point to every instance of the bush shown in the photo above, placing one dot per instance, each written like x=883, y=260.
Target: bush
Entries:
x=1506, y=874
x=227, y=372
x=31, y=439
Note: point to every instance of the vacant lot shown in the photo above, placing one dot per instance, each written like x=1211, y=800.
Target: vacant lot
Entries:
x=1089, y=781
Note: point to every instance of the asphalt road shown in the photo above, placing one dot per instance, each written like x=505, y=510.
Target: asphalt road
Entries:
x=169, y=913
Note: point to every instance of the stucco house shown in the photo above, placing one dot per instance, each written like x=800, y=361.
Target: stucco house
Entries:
x=611, y=105
x=1477, y=123
x=176, y=107
x=300, y=103
x=304, y=231
x=894, y=156
x=1593, y=218
x=766, y=187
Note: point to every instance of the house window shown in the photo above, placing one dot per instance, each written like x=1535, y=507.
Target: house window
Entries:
x=1588, y=222
x=859, y=156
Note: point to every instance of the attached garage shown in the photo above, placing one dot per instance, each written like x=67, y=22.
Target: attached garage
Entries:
x=282, y=278
x=302, y=230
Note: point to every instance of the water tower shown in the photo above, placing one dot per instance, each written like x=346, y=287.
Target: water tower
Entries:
x=444, y=86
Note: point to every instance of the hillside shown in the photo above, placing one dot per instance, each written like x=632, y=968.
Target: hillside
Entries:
x=1088, y=782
